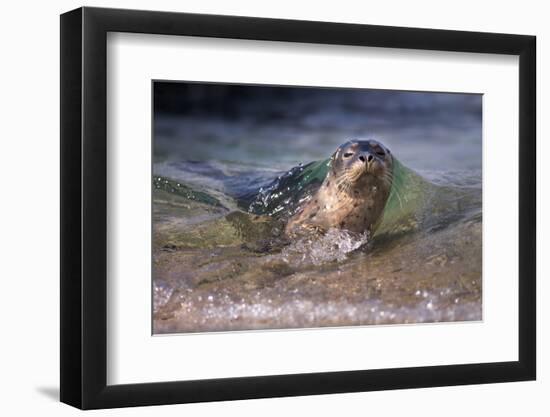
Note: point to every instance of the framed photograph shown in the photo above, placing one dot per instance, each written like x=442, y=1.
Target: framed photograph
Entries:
x=257, y=208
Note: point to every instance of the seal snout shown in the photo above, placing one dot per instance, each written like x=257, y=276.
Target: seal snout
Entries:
x=366, y=157
x=367, y=161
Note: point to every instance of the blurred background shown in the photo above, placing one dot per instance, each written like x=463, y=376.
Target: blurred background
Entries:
x=279, y=127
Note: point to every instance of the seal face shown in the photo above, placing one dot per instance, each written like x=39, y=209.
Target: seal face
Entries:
x=352, y=195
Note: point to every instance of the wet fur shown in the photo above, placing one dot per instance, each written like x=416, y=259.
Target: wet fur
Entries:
x=353, y=194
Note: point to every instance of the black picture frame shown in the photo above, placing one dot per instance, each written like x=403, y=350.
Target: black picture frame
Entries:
x=84, y=207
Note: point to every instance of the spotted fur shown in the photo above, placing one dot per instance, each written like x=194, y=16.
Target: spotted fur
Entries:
x=354, y=193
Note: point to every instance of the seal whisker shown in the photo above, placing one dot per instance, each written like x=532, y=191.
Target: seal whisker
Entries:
x=388, y=180
x=395, y=189
x=399, y=198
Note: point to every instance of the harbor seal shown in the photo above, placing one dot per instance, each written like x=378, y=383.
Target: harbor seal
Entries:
x=353, y=194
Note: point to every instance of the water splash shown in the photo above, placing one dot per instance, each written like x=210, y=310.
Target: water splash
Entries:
x=284, y=195
x=161, y=295
x=334, y=245
x=177, y=188
x=222, y=313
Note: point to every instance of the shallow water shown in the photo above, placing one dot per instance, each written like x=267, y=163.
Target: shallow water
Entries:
x=218, y=267
x=228, y=172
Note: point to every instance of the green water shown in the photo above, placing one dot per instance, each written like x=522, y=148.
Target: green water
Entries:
x=221, y=262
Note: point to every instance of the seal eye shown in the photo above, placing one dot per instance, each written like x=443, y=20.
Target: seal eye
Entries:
x=379, y=151
x=348, y=154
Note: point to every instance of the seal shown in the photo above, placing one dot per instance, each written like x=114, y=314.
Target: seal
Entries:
x=353, y=194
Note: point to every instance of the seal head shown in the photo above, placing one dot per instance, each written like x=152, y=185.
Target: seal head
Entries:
x=353, y=194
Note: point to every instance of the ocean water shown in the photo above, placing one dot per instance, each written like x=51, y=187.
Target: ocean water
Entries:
x=223, y=153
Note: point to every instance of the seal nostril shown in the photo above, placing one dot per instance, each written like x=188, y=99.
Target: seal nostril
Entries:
x=370, y=158
x=362, y=158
